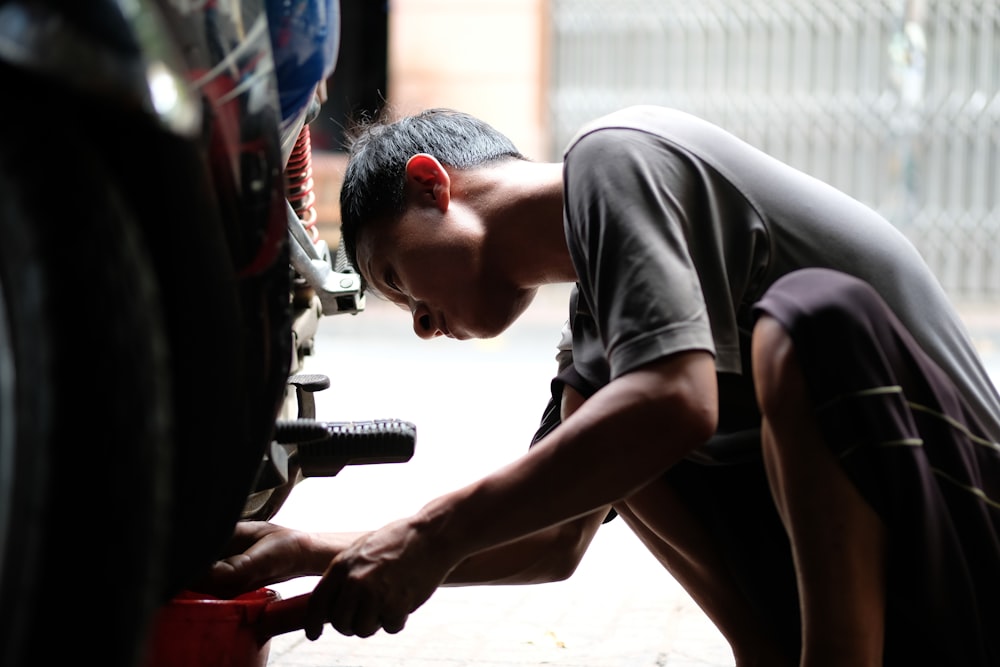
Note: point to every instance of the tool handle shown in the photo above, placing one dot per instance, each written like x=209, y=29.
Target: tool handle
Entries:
x=282, y=616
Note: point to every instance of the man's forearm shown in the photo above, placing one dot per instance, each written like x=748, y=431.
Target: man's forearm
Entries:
x=545, y=556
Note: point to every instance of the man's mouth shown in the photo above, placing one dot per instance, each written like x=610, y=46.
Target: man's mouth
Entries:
x=443, y=326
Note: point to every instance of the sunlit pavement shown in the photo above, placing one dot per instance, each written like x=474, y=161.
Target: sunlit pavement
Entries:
x=476, y=405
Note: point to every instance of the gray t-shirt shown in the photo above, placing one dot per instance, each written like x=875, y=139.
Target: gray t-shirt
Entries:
x=676, y=228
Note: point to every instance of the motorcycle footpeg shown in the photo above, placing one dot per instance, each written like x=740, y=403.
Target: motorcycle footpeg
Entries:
x=324, y=448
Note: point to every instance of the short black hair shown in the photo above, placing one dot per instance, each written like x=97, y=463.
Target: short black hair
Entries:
x=378, y=150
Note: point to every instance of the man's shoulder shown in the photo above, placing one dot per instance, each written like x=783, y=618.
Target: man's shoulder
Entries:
x=665, y=122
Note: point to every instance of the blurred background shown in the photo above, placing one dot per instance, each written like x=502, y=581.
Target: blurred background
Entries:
x=896, y=102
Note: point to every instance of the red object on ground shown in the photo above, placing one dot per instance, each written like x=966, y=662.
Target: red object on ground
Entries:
x=195, y=630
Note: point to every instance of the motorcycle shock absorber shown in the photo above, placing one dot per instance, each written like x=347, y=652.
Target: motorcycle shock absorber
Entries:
x=299, y=183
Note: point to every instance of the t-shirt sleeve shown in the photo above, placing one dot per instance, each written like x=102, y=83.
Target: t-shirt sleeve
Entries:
x=628, y=235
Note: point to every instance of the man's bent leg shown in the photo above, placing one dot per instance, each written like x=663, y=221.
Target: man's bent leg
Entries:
x=838, y=541
x=672, y=533
x=663, y=523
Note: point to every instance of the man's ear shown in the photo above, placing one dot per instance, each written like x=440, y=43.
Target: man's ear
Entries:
x=427, y=180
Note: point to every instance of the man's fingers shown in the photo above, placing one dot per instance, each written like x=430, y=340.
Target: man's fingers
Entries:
x=225, y=578
x=248, y=533
x=366, y=619
x=393, y=624
x=230, y=568
x=341, y=609
x=316, y=610
x=243, y=572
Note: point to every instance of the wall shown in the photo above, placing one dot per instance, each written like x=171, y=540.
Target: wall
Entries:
x=485, y=57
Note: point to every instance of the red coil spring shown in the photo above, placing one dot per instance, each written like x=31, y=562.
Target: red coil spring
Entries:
x=299, y=183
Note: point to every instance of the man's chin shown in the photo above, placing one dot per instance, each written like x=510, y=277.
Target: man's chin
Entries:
x=485, y=333
x=496, y=325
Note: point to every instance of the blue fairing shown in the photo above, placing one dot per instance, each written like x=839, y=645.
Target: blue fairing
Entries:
x=305, y=38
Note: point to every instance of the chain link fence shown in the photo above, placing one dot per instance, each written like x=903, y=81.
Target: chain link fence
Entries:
x=896, y=102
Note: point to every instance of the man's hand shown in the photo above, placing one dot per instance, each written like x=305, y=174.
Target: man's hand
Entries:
x=378, y=582
x=264, y=553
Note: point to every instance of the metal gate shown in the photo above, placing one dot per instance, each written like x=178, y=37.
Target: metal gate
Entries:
x=896, y=102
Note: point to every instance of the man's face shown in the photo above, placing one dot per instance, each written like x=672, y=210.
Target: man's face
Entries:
x=436, y=266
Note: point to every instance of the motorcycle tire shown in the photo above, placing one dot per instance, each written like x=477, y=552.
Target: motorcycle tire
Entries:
x=85, y=404
x=222, y=413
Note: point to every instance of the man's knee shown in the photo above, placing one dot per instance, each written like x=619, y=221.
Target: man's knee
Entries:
x=776, y=375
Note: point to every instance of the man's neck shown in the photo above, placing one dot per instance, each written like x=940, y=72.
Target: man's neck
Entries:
x=524, y=217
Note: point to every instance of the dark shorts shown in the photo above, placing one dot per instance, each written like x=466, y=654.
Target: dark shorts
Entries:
x=915, y=452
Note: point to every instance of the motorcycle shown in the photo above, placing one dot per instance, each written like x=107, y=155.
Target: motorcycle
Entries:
x=161, y=283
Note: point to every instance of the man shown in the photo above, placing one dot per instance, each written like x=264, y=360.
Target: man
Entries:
x=767, y=385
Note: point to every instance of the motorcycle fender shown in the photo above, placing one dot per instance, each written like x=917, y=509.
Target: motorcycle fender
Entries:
x=112, y=49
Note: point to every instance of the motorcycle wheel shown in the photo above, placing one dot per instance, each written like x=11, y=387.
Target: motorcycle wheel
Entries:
x=84, y=407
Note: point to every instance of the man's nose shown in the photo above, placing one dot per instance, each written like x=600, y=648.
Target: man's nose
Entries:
x=423, y=325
